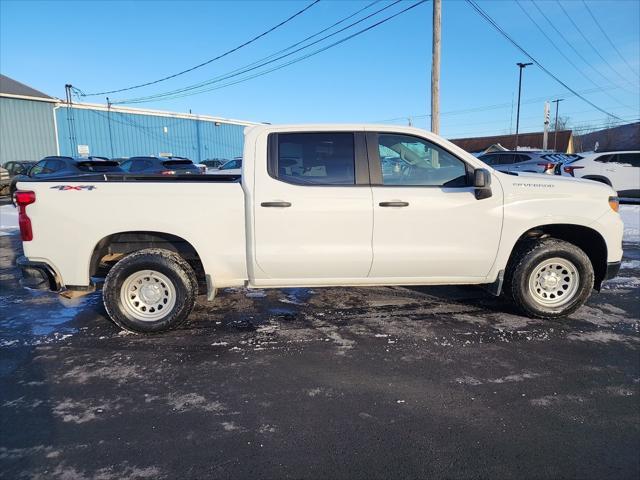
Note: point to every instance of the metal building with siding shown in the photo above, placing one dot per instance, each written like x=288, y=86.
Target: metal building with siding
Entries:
x=124, y=132
x=34, y=125
x=27, y=124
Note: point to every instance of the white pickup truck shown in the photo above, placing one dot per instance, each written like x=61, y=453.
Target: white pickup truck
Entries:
x=320, y=205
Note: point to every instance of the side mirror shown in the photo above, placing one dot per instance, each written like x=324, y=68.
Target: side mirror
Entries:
x=482, y=183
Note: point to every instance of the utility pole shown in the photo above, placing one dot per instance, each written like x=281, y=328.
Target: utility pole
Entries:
x=522, y=66
x=545, y=137
x=555, y=125
x=109, y=121
x=435, y=67
x=73, y=144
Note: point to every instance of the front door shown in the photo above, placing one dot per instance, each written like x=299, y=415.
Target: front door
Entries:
x=312, y=210
x=428, y=224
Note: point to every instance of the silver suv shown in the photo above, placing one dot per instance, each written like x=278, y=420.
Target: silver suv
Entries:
x=534, y=162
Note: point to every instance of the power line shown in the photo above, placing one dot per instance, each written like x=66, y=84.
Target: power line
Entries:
x=586, y=39
x=259, y=63
x=207, y=62
x=492, y=22
x=579, y=70
x=187, y=91
x=496, y=106
x=576, y=129
x=608, y=38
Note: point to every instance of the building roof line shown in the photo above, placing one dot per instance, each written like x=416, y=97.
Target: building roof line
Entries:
x=28, y=97
x=157, y=113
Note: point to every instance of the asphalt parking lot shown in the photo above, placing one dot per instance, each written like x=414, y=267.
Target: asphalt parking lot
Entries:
x=322, y=383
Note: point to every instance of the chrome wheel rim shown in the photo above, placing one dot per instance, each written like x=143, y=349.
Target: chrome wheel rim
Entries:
x=554, y=282
x=148, y=295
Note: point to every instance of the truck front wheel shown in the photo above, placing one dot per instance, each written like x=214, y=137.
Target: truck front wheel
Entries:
x=150, y=291
x=549, y=278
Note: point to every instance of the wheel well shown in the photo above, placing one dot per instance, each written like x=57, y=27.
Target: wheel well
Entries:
x=113, y=247
x=585, y=238
x=598, y=178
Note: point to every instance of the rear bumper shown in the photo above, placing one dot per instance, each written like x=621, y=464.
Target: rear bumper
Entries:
x=612, y=270
x=38, y=275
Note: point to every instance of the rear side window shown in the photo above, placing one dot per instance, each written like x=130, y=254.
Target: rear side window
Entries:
x=139, y=165
x=233, y=164
x=53, y=166
x=104, y=166
x=315, y=159
x=179, y=165
x=632, y=159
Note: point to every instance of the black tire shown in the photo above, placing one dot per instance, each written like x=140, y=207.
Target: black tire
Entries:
x=523, y=264
x=169, y=265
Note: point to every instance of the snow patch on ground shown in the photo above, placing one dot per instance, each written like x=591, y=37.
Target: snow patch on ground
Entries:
x=8, y=220
x=631, y=218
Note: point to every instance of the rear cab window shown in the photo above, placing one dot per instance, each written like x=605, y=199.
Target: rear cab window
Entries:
x=323, y=158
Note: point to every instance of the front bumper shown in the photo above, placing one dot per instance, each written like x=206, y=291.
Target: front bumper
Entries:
x=612, y=270
x=38, y=275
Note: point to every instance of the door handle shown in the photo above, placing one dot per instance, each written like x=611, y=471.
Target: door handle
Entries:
x=276, y=204
x=394, y=204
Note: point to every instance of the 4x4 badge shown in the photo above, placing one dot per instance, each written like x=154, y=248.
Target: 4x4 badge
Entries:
x=73, y=187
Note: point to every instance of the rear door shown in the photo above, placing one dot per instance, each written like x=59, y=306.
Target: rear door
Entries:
x=623, y=170
x=312, y=209
x=428, y=224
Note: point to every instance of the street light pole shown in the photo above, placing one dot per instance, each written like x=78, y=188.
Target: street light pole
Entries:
x=555, y=125
x=522, y=67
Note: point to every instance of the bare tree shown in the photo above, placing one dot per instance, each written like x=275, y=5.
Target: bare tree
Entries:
x=562, y=124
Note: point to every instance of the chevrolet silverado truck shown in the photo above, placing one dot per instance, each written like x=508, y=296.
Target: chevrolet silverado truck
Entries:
x=315, y=206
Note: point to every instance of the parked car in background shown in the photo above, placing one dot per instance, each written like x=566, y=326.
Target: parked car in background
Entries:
x=619, y=170
x=5, y=182
x=18, y=167
x=202, y=167
x=160, y=165
x=213, y=164
x=60, y=166
x=232, y=167
x=533, y=162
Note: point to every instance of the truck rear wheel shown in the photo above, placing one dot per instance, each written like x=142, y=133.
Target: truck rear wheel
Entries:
x=549, y=278
x=150, y=291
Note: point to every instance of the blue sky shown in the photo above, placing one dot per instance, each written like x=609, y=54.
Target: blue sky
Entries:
x=383, y=74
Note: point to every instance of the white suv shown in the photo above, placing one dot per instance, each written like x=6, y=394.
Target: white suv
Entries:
x=620, y=170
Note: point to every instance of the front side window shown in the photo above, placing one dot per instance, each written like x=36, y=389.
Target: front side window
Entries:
x=605, y=158
x=316, y=158
x=505, y=159
x=489, y=159
x=412, y=161
x=37, y=169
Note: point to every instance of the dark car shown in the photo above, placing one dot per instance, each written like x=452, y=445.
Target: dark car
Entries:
x=160, y=165
x=18, y=167
x=58, y=166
